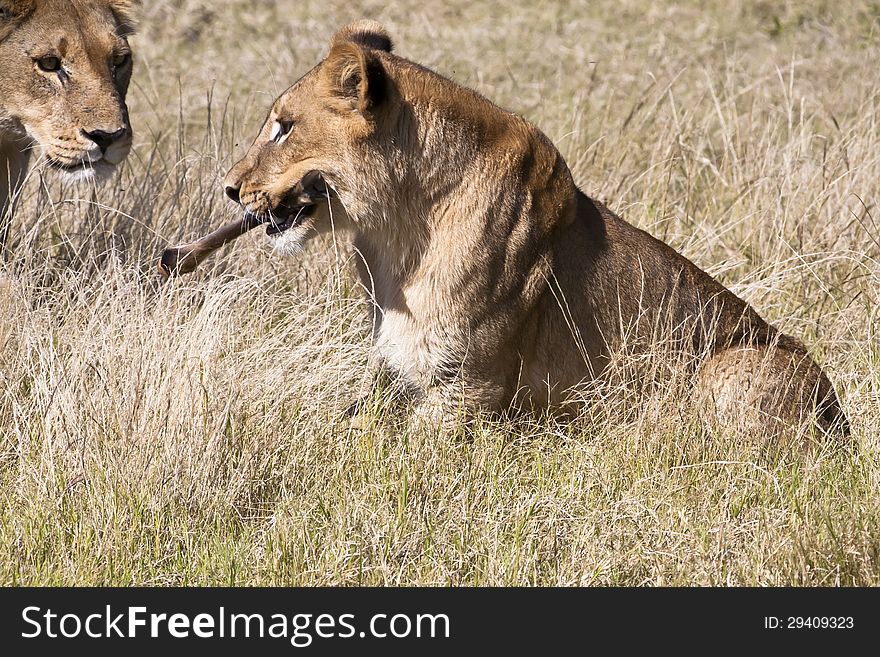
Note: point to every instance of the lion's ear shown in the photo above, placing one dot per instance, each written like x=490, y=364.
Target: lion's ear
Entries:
x=369, y=34
x=354, y=74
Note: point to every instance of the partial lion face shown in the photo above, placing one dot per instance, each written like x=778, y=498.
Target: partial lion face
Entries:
x=65, y=67
x=311, y=162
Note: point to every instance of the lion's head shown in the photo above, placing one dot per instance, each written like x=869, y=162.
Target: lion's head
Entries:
x=65, y=66
x=330, y=127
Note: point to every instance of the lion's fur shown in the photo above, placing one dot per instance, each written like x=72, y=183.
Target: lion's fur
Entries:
x=54, y=111
x=493, y=276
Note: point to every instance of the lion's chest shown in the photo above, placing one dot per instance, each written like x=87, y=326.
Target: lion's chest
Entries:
x=410, y=346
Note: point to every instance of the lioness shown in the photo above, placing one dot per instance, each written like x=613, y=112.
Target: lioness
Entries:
x=65, y=66
x=495, y=279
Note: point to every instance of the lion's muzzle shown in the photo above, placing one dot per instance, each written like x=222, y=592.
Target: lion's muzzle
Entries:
x=294, y=207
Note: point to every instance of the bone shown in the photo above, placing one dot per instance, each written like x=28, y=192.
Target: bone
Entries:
x=184, y=258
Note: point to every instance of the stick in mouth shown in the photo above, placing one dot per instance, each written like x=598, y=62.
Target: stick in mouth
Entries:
x=184, y=258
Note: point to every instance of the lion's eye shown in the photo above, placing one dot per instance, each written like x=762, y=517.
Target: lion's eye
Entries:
x=280, y=131
x=121, y=60
x=49, y=64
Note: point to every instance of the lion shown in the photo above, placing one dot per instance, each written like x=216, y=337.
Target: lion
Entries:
x=496, y=283
x=65, y=66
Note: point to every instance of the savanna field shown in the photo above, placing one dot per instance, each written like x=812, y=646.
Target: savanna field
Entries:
x=192, y=432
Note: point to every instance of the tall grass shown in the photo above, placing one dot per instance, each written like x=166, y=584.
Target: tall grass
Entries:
x=191, y=433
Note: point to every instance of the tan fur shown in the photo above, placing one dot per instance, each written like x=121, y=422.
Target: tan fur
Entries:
x=493, y=277
x=63, y=111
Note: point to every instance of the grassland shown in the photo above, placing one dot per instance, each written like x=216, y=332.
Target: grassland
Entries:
x=190, y=433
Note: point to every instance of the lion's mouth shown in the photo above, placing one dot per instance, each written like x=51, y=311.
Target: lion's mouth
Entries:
x=298, y=204
x=297, y=215
x=70, y=168
x=84, y=166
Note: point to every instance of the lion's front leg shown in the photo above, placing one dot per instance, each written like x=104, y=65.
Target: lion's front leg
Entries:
x=450, y=406
x=439, y=409
x=382, y=391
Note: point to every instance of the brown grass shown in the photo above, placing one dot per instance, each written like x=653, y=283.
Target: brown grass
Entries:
x=190, y=433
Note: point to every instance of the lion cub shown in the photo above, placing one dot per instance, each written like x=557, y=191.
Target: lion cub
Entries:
x=494, y=278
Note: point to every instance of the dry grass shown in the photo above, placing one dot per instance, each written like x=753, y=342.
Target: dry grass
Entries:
x=190, y=433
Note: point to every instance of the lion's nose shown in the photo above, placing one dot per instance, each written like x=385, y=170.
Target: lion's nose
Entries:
x=234, y=193
x=104, y=139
